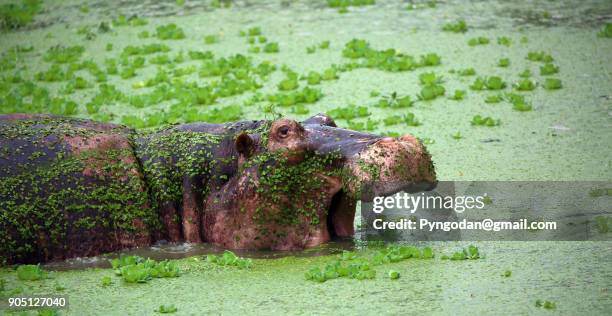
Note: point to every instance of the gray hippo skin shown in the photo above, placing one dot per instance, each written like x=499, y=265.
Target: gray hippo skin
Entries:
x=73, y=187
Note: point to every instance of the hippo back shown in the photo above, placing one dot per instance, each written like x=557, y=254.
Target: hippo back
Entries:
x=69, y=187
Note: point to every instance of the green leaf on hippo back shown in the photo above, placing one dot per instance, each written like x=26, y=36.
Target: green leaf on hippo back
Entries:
x=167, y=309
x=393, y=275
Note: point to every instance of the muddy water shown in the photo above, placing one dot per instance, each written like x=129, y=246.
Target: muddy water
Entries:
x=169, y=251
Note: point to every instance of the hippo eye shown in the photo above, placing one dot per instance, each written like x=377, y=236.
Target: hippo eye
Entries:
x=283, y=131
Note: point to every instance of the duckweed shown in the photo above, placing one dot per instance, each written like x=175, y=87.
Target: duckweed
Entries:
x=393, y=275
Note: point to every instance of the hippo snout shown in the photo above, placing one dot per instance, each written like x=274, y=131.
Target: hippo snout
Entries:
x=390, y=165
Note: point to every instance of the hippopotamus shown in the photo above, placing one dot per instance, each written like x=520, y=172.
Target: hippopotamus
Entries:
x=74, y=187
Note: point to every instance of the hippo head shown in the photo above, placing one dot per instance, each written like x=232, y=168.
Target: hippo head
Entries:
x=297, y=184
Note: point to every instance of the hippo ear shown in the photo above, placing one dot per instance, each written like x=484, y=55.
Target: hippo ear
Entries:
x=244, y=144
x=322, y=119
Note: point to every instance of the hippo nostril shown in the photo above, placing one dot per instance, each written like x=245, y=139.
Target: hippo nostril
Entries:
x=386, y=140
x=408, y=138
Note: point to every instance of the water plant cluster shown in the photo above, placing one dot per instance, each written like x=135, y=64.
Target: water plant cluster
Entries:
x=17, y=14
x=355, y=265
x=193, y=85
x=135, y=269
x=228, y=258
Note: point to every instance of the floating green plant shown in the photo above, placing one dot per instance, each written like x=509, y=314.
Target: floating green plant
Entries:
x=493, y=98
x=395, y=101
x=30, y=272
x=507, y=274
x=471, y=253
x=271, y=48
x=431, y=92
x=503, y=62
x=349, y=3
x=539, y=56
x=324, y=45
x=606, y=31
x=122, y=20
x=169, y=32
x=503, y=40
x=458, y=95
x=349, y=112
x=16, y=15
x=525, y=73
x=393, y=275
x=63, y=55
x=313, y=78
x=478, y=120
x=230, y=259
x=106, y=281
x=368, y=125
x=411, y=120
x=311, y=49
x=545, y=304
x=488, y=83
x=525, y=85
x=166, y=309
x=392, y=120
x=548, y=69
x=211, y=39
x=254, y=31
x=467, y=72
x=457, y=135
x=457, y=27
x=552, y=84
x=330, y=74
x=429, y=78
x=475, y=41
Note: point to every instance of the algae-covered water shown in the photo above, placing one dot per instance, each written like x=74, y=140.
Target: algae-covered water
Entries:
x=564, y=136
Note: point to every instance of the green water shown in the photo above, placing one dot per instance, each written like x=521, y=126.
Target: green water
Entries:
x=566, y=137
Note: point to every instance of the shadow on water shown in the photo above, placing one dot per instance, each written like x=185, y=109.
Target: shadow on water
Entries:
x=164, y=250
